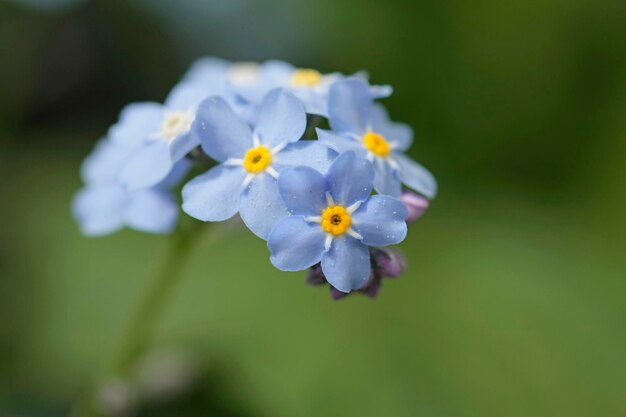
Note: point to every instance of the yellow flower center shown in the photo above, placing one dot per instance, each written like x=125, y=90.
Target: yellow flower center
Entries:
x=376, y=144
x=335, y=220
x=174, y=124
x=306, y=78
x=257, y=159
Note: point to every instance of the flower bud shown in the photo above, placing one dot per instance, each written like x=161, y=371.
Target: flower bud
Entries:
x=315, y=276
x=415, y=205
x=336, y=294
x=388, y=263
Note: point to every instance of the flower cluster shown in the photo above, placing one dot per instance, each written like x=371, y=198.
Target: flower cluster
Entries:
x=324, y=200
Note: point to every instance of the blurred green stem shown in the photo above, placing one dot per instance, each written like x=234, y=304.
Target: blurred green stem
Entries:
x=152, y=306
x=149, y=312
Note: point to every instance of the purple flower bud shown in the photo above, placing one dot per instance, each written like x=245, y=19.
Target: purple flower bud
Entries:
x=315, y=276
x=415, y=205
x=336, y=294
x=372, y=288
x=388, y=263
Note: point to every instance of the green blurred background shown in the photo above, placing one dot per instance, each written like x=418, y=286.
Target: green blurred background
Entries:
x=514, y=303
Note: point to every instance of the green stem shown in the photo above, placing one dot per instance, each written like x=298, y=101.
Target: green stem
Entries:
x=143, y=325
x=147, y=316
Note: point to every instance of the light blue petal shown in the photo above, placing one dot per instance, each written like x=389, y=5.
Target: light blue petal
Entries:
x=137, y=122
x=151, y=210
x=349, y=103
x=381, y=221
x=104, y=162
x=181, y=145
x=303, y=190
x=261, y=206
x=339, y=143
x=99, y=209
x=148, y=166
x=386, y=179
x=177, y=174
x=347, y=264
x=398, y=134
x=296, y=244
x=309, y=153
x=381, y=91
x=281, y=119
x=271, y=74
x=350, y=179
x=220, y=131
x=207, y=68
x=214, y=195
x=416, y=176
x=187, y=95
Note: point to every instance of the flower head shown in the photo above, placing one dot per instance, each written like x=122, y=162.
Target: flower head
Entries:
x=362, y=126
x=251, y=160
x=334, y=221
x=104, y=206
x=307, y=84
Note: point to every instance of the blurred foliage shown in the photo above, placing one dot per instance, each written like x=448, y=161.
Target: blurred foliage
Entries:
x=514, y=301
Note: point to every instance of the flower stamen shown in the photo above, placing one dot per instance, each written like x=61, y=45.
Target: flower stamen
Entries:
x=305, y=78
x=376, y=144
x=257, y=159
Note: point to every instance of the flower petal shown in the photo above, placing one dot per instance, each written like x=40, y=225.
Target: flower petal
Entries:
x=398, y=134
x=350, y=179
x=149, y=165
x=303, y=190
x=214, y=195
x=347, y=264
x=381, y=221
x=295, y=244
x=416, y=176
x=309, y=153
x=281, y=118
x=260, y=206
x=99, y=209
x=339, y=143
x=176, y=175
x=386, y=179
x=220, y=131
x=181, y=145
x=104, y=162
x=137, y=122
x=349, y=104
x=151, y=210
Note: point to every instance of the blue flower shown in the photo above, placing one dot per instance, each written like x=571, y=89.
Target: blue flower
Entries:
x=360, y=125
x=251, y=160
x=159, y=133
x=334, y=221
x=253, y=81
x=104, y=206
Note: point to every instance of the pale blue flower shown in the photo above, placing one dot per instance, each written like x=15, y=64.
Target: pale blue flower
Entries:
x=159, y=133
x=251, y=160
x=360, y=125
x=334, y=220
x=253, y=81
x=105, y=206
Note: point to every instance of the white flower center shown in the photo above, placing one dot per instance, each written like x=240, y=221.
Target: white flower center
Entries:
x=244, y=73
x=174, y=124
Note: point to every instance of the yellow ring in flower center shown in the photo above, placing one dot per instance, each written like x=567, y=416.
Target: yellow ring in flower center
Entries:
x=174, y=124
x=257, y=159
x=376, y=144
x=336, y=220
x=306, y=78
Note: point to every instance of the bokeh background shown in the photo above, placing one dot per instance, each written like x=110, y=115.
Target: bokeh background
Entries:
x=514, y=303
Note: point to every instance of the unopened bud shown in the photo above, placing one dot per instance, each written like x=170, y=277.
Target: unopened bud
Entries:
x=415, y=205
x=388, y=263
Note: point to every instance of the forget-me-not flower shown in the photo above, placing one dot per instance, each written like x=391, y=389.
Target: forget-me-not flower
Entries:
x=159, y=133
x=309, y=85
x=334, y=221
x=251, y=160
x=104, y=206
x=360, y=125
